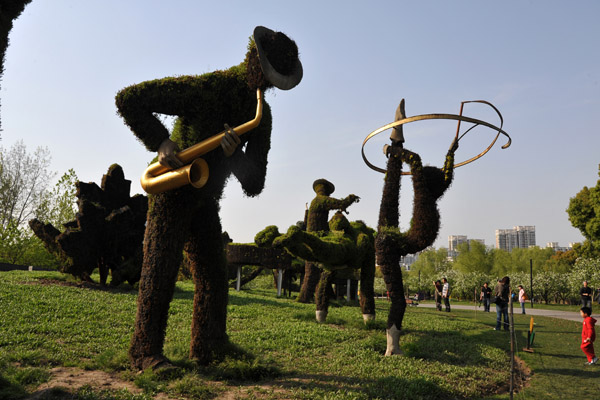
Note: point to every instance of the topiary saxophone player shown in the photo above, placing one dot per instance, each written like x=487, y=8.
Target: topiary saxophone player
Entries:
x=186, y=218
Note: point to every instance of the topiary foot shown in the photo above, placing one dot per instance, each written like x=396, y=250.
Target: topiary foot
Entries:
x=393, y=341
x=156, y=362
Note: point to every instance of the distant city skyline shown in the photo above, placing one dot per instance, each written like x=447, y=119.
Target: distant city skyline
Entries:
x=508, y=238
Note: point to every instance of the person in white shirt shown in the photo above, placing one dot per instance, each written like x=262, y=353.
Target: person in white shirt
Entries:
x=446, y=294
x=522, y=298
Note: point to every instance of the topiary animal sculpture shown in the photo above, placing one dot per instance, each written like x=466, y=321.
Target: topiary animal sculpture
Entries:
x=317, y=221
x=346, y=245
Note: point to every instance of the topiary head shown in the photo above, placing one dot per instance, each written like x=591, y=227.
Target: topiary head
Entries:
x=272, y=60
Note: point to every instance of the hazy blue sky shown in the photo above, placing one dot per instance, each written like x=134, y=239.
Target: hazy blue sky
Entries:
x=537, y=61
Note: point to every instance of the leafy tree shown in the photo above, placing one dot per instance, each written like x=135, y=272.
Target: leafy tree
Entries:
x=473, y=257
x=584, y=214
x=24, y=180
x=561, y=261
x=59, y=205
x=14, y=241
x=467, y=285
x=24, y=193
x=501, y=262
x=585, y=269
x=431, y=263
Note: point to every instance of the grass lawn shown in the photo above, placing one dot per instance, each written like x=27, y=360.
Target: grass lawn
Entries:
x=50, y=330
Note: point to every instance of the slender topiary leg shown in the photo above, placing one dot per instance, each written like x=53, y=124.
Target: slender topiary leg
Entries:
x=312, y=274
x=322, y=299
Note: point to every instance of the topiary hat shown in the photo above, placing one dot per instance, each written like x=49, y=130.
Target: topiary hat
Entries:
x=278, y=79
x=329, y=187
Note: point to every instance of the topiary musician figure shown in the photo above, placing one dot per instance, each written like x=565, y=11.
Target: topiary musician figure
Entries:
x=429, y=184
x=317, y=220
x=187, y=218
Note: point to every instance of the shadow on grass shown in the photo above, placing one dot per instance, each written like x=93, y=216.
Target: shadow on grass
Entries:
x=592, y=372
x=385, y=387
x=564, y=356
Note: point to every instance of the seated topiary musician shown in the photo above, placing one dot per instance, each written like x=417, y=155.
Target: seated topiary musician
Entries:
x=187, y=218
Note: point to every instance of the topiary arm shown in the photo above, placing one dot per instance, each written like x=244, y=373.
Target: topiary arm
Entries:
x=250, y=165
x=138, y=105
x=331, y=203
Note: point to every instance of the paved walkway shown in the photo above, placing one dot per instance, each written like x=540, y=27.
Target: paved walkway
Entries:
x=568, y=315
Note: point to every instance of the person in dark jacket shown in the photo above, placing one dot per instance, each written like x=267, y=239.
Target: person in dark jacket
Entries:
x=586, y=295
x=486, y=292
x=438, y=294
x=502, y=293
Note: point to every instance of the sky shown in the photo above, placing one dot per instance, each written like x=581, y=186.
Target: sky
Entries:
x=536, y=61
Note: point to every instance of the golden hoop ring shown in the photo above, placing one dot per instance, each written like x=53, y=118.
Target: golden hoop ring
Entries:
x=436, y=116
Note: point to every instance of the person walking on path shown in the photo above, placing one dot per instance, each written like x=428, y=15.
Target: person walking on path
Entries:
x=437, y=285
x=502, y=291
x=588, y=335
x=486, y=292
x=586, y=295
x=522, y=298
x=446, y=294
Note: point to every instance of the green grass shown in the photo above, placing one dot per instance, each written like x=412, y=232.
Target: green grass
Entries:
x=280, y=352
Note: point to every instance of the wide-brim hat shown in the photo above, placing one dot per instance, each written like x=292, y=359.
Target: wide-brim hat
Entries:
x=329, y=187
x=279, y=80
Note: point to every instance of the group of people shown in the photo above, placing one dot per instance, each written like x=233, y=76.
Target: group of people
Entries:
x=442, y=293
x=501, y=297
x=502, y=293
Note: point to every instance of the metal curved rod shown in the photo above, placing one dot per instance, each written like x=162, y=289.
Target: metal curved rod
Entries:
x=438, y=116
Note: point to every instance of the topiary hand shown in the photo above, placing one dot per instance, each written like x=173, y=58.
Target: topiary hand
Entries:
x=166, y=154
x=230, y=141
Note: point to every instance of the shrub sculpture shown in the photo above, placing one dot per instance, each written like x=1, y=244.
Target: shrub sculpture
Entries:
x=316, y=221
x=345, y=246
x=107, y=233
x=259, y=254
x=188, y=218
x=429, y=184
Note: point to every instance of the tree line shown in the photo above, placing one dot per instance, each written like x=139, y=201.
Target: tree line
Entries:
x=557, y=276
x=25, y=193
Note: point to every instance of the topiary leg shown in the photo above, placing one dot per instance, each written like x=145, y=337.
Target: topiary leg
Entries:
x=209, y=272
x=162, y=259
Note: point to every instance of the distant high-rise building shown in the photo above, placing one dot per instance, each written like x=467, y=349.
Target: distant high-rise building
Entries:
x=519, y=236
x=556, y=247
x=455, y=240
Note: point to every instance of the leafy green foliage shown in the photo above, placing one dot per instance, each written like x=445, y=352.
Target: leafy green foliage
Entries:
x=24, y=180
x=60, y=204
x=584, y=214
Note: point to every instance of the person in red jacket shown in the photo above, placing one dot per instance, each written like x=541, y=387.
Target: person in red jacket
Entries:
x=588, y=335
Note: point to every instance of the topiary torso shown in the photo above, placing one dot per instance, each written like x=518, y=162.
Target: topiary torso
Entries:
x=203, y=104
